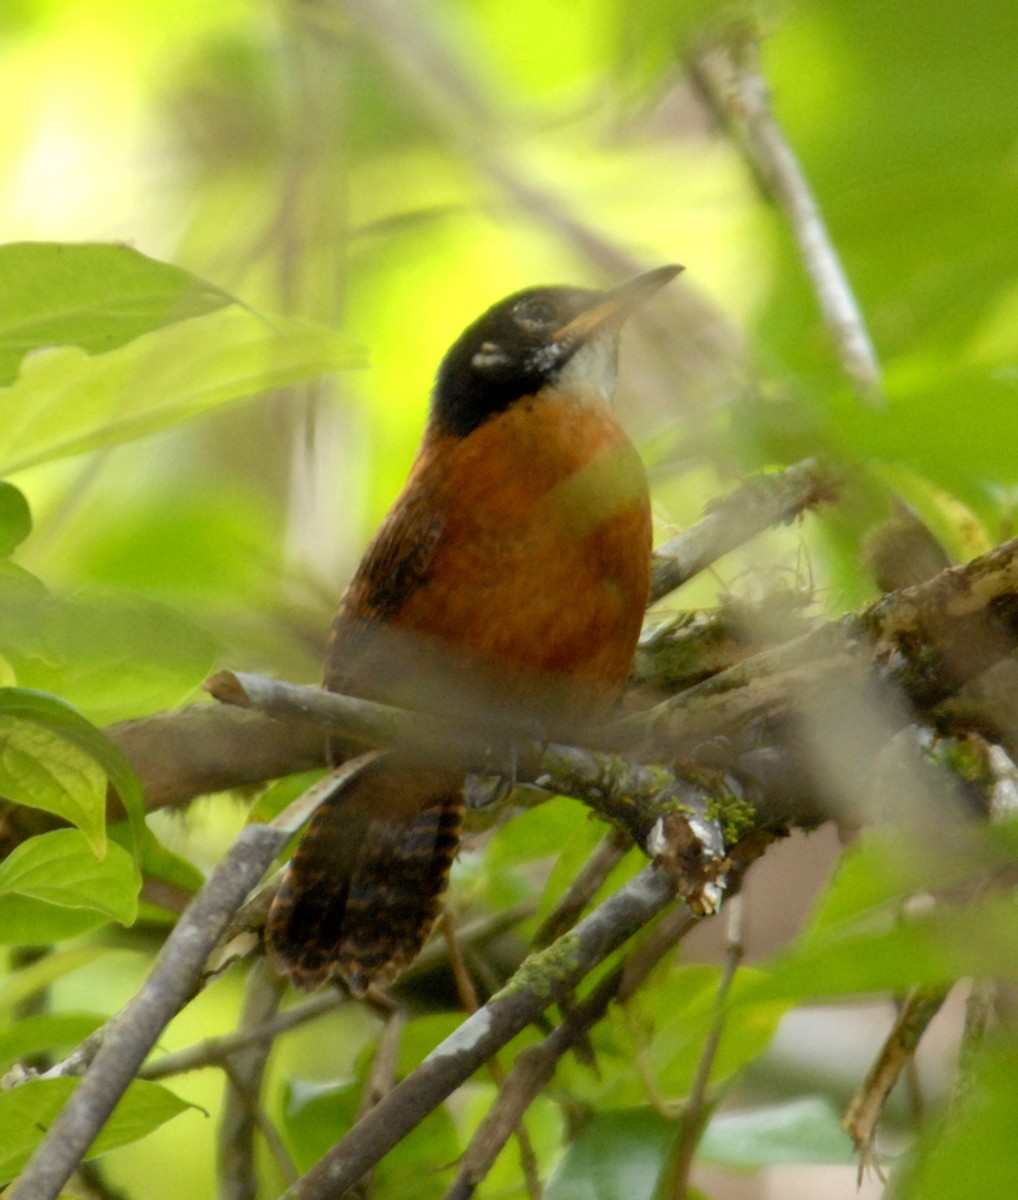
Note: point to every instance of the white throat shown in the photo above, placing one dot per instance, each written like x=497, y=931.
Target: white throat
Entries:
x=592, y=371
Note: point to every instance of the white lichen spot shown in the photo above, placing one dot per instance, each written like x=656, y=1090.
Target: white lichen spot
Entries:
x=708, y=900
x=464, y=1039
x=708, y=835
x=657, y=843
x=1005, y=784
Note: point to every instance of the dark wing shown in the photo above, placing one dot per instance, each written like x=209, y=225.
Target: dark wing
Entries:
x=396, y=564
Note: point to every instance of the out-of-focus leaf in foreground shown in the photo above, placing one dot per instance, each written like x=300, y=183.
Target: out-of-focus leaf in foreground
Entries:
x=67, y=402
x=95, y=295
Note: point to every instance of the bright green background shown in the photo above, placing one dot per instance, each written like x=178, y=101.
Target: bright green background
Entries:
x=365, y=180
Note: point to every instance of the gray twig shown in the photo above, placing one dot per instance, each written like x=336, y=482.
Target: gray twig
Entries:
x=535, y=1065
x=214, y=1051
x=730, y=79
x=695, y=1111
x=759, y=503
x=242, y=1116
x=544, y=978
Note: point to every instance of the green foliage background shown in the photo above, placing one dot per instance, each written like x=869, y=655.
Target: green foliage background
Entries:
x=366, y=178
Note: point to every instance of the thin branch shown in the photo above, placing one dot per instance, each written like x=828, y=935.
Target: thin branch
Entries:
x=665, y=813
x=730, y=79
x=212, y=1052
x=535, y=1065
x=246, y=1183
x=468, y=997
x=757, y=504
x=695, y=1110
x=609, y=851
x=867, y=1105
x=380, y=1080
x=241, y=1114
x=542, y=980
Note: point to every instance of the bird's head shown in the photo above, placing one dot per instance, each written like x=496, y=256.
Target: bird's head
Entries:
x=539, y=338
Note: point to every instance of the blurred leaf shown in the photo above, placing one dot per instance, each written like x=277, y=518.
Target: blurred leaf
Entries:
x=922, y=426
x=94, y=295
x=801, y=1131
x=41, y=769
x=874, y=872
x=28, y=922
x=45, y=1032
x=62, y=731
x=620, y=1154
x=15, y=518
x=884, y=867
x=935, y=948
x=281, y=793
x=679, y=1012
x=27, y=1111
x=113, y=654
x=60, y=869
x=973, y=1153
x=538, y=833
x=35, y=978
x=66, y=402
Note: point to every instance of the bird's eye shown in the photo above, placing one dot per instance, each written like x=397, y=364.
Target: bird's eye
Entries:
x=534, y=315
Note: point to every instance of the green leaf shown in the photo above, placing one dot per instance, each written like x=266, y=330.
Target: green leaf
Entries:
x=30, y=981
x=41, y=769
x=27, y=1111
x=41, y=1032
x=538, y=833
x=577, y=847
x=66, y=402
x=932, y=949
x=21, y=706
x=28, y=922
x=15, y=518
x=802, y=1131
x=972, y=1154
x=279, y=794
x=620, y=1154
x=60, y=869
x=680, y=1012
x=94, y=295
x=111, y=654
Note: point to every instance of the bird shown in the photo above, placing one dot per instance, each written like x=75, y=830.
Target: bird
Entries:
x=506, y=585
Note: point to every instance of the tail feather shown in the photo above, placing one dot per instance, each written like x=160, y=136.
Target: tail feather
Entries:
x=365, y=885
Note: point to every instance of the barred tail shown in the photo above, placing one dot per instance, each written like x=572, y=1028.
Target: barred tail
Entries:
x=365, y=885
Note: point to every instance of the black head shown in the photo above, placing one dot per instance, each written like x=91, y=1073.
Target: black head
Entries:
x=523, y=343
